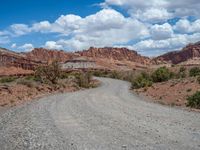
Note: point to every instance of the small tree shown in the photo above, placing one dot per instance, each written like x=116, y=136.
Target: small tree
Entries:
x=50, y=73
x=194, y=100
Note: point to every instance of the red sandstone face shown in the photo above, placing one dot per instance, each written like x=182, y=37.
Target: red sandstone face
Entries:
x=189, y=52
x=109, y=53
x=12, y=59
x=42, y=54
x=108, y=57
x=119, y=54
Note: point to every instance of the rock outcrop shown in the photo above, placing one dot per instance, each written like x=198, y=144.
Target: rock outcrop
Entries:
x=119, y=54
x=107, y=57
x=12, y=59
x=191, y=51
x=42, y=54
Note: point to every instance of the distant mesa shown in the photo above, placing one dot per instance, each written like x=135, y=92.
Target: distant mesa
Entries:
x=107, y=57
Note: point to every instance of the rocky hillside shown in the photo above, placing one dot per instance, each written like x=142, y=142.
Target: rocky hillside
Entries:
x=119, y=54
x=42, y=54
x=108, y=57
x=9, y=52
x=191, y=51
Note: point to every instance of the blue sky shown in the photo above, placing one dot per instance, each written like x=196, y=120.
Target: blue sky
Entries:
x=150, y=27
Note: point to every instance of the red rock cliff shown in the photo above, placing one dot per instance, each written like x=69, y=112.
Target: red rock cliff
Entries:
x=49, y=55
x=119, y=54
x=191, y=51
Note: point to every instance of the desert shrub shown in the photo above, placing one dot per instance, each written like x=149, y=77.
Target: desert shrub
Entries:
x=84, y=79
x=75, y=74
x=27, y=83
x=29, y=77
x=173, y=65
x=50, y=73
x=161, y=74
x=32, y=78
x=194, y=100
x=182, y=69
x=128, y=76
x=143, y=80
x=182, y=73
x=99, y=73
x=64, y=75
x=7, y=79
x=194, y=72
x=198, y=79
x=115, y=75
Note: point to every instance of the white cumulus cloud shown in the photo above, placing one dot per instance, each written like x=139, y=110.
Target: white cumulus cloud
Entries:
x=185, y=26
x=26, y=47
x=43, y=26
x=146, y=26
x=161, y=32
x=165, y=9
x=175, y=42
x=14, y=45
x=52, y=45
x=152, y=14
x=20, y=29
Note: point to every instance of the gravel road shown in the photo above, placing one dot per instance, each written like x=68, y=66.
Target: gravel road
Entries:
x=109, y=117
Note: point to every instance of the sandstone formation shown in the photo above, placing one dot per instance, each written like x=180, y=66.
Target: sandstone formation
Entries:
x=120, y=54
x=191, y=51
x=108, y=57
x=42, y=54
x=12, y=59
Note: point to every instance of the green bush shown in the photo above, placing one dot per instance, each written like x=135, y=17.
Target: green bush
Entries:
x=25, y=82
x=198, y=79
x=115, y=75
x=100, y=73
x=194, y=100
x=84, y=79
x=143, y=80
x=32, y=78
x=64, y=75
x=182, y=69
x=194, y=72
x=128, y=76
x=182, y=73
x=162, y=74
x=7, y=79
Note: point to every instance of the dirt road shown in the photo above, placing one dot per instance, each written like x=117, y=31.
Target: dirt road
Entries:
x=109, y=117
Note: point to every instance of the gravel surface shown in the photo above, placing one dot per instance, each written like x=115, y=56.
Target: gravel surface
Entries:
x=109, y=117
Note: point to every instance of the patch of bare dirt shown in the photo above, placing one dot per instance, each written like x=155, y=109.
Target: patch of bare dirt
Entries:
x=173, y=92
x=9, y=71
x=11, y=95
x=17, y=93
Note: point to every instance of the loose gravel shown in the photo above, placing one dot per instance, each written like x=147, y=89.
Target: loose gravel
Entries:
x=105, y=118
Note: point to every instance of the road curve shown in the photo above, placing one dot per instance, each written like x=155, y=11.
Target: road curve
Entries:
x=109, y=117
